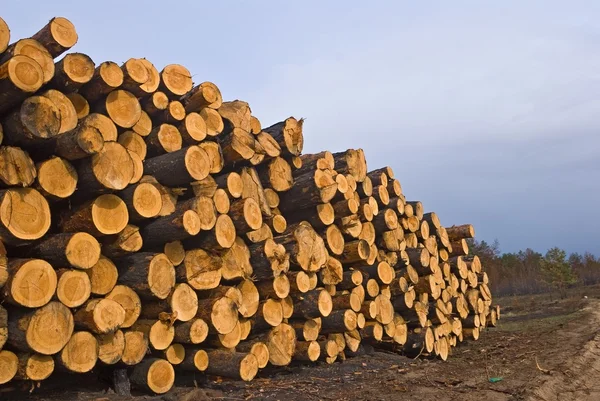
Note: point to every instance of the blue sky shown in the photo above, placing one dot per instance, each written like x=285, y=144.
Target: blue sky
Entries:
x=488, y=112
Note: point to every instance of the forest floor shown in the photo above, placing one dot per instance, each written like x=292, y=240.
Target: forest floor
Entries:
x=543, y=349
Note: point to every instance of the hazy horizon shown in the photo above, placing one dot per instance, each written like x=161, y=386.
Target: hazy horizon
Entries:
x=488, y=113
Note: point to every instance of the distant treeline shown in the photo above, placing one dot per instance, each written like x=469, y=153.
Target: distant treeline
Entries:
x=530, y=272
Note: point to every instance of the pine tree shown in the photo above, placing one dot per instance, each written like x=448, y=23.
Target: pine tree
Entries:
x=557, y=271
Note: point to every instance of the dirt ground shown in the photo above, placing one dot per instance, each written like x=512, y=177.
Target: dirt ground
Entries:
x=563, y=336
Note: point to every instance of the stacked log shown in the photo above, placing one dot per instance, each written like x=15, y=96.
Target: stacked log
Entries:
x=147, y=223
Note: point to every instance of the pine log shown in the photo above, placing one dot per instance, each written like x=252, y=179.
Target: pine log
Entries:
x=175, y=252
x=155, y=104
x=151, y=275
x=456, y=233
x=288, y=134
x=246, y=215
x=459, y=247
x=105, y=215
x=252, y=188
x=29, y=328
x=37, y=119
x=72, y=72
x=194, y=331
x=269, y=314
x=16, y=167
x=122, y=107
x=232, y=364
x=153, y=375
x=134, y=143
x=82, y=106
x=127, y=241
x=34, y=367
x=34, y=49
x=79, y=250
x=143, y=201
x=4, y=36
x=278, y=174
x=238, y=146
x=106, y=78
x=159, y=334
x=213, y=120
x=109, y=169
x=173, y=114
x=313, y=304
x=3, y=326
x=135, y=348
x=201, y=270
x=20, y=76
x=205, y=95
x=221, y=314
x=129, y=301
x=58, y=36
x=100, y=316
x=334, y=239
x=332, y=272
x=56, y=178
x=164, y=138
x=174, y=354
x=306, y=247
x=278, y=287
x=179, y=168
x=73, y=287
x=31, y=283
x=382, y=272
x=176, y=80
x=182, y=303
x=9, y=364
x=355, y=251
x=177, y=226
x=256, y=348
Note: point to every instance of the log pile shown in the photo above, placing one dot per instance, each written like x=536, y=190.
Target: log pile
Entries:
x=148, y=225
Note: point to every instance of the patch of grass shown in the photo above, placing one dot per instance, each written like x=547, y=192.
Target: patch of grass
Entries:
x=534, y=323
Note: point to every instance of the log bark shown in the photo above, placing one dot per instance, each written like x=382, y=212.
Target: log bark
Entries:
x=232, y=364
